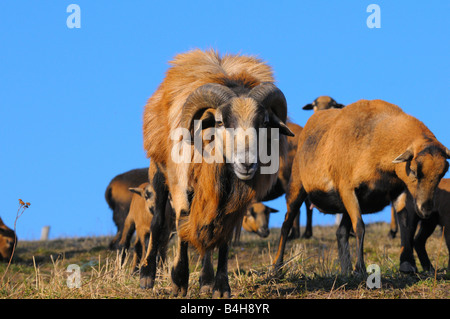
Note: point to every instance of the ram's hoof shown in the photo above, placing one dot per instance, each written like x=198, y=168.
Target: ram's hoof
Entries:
x=146, y=282
x=206, y=289
x=221, y=294
x=407, y=268
x=177, y=290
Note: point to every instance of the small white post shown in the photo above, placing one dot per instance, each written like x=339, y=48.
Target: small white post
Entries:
x=338, y=219
x=44, y=233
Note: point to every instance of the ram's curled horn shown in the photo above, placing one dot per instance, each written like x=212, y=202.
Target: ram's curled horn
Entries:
x=207, y=96
x=271, y=97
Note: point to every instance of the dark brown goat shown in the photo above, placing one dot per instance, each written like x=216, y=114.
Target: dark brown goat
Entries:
x=356, y=161
x=119, y=197
x=8, y=240
x=409, y=220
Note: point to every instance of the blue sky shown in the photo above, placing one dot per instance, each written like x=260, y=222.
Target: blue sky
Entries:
x=71, y=100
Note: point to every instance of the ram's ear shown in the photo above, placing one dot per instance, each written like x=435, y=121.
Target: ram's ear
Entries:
x=274, y=121
x=201, y=121
x=273, y=210
x=404, y=157
x=308, y=107
x=338, y=106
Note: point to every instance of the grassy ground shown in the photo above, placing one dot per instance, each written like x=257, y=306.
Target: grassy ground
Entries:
x=312, y=270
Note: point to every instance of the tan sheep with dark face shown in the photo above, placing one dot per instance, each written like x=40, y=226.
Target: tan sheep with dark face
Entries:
x=356, y=161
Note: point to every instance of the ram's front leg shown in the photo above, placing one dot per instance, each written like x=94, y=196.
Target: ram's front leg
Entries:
x=207, y=274
x=180, y=269
x=221, y=285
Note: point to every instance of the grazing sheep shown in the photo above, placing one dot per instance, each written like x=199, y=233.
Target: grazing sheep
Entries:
x=256, y=220
x=409, y=220
x=8, y=240
x=118, y=198
x=205, y=92
x=356, y=161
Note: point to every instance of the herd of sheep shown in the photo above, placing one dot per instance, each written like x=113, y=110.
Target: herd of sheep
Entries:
x=220, y=143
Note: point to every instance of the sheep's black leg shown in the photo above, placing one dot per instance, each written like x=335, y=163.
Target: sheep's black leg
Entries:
x=221, y=285
x=342, y=235
x=207, y=273
x=180, y=270
x=426, y=228
x=308, y=230
x=446, y=230
x=408, y=224
x=295, y=230
x=138, y=254
x=166, y=232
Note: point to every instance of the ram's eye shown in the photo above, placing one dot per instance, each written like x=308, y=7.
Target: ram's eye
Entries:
x=219, y=123
x=414, y=173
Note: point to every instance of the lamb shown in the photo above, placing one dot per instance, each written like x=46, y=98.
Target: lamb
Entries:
x=139, y=218
x=8, y=240
x=356, y=161
x=119, y=197
x=409, y=219
x=204, y=92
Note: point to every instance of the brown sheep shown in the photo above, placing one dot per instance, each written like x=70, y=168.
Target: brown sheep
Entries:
x=118, y=197
x=139, y=218
x=409, y=220
x=210, y=199
x=256, y=220
x=8, y=240
x=356, y=161
x=323, y=103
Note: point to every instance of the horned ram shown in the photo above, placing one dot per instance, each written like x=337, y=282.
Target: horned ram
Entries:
x=205, y=91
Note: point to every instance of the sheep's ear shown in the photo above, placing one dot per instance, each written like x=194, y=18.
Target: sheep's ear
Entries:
x=203, y=121
x=338, y=106
x=406, y=156
x=274, y=121
x=273, y=210
x=136, y=190
x=308, y=107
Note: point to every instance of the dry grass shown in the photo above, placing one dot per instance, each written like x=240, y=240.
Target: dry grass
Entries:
x=311, y=270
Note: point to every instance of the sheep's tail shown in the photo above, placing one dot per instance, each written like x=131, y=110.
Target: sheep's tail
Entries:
x=108, y=197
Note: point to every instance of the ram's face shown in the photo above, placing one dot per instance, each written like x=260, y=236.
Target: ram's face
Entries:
x=230, y=126
x=238, y=124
